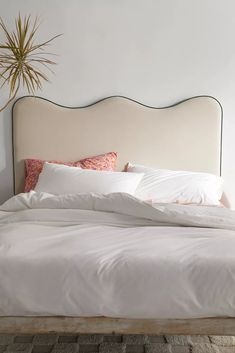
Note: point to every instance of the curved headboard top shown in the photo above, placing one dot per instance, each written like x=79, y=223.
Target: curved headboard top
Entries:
x=184, y=136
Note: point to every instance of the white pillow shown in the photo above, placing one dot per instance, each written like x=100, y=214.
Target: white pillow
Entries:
x=60, y=179
x=160, y=185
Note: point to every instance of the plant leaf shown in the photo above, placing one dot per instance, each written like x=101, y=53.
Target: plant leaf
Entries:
x=21, y=59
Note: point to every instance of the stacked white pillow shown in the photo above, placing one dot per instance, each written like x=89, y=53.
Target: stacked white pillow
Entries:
x=168, y=186
x=60, y=179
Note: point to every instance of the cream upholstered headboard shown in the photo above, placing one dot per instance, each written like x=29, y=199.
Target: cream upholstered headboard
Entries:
x=185, y=136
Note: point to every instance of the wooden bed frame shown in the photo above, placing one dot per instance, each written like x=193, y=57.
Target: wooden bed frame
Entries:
x=33, y=325
x=142, y=134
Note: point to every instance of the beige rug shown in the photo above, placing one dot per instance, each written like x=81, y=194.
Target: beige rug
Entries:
x=53, y=343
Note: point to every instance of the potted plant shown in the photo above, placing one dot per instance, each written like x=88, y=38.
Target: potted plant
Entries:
x=22, y=60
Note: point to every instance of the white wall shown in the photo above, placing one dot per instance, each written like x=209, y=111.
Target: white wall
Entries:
x=155, y=51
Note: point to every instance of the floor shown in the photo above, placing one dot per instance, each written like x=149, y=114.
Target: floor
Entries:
x=53, y=343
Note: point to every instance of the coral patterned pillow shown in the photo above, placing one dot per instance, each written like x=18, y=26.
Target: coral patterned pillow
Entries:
x=33, y=167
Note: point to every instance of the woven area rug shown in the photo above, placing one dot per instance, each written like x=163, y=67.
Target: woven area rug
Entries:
x=74, y=343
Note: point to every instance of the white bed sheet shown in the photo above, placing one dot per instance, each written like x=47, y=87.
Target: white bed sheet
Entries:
x=115, y=256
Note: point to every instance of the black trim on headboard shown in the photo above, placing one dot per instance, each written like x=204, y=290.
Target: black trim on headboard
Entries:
x=117, y=96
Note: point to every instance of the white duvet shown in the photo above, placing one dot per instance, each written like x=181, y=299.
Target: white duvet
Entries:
x=94, y=255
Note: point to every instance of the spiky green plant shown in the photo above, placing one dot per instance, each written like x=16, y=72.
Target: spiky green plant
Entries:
x=21, y=59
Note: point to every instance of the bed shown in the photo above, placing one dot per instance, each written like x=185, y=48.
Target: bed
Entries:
x=151, y=136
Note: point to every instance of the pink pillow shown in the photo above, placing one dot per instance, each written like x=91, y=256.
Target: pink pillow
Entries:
x=33, y=167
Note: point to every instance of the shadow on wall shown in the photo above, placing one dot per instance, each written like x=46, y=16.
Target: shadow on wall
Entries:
x=6, y=169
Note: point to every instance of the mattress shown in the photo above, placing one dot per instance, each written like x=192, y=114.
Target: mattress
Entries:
x=115, y=256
